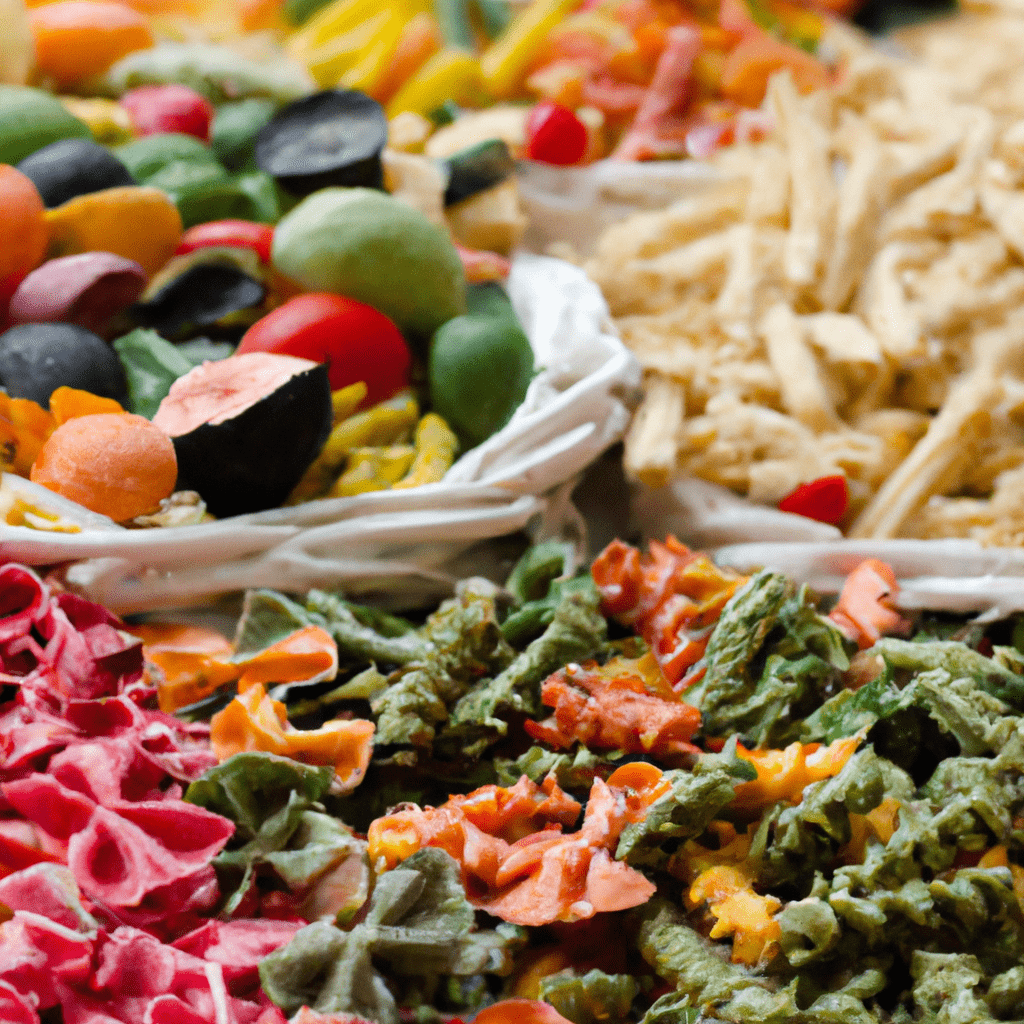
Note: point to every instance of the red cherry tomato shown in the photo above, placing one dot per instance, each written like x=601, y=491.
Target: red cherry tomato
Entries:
x=825, y=499
x=243, y=234
x=154, y=109
x=357, y=341
x=555, y=135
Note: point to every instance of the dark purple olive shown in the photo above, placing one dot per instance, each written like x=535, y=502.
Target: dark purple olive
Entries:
x=332, y=138
x=199, y=297
x=89, y=289
x=36, y=359
x=73, y=167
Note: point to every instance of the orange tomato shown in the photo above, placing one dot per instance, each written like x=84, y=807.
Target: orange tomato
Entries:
x=76, y=39
x=23, y=231
x=116, y=464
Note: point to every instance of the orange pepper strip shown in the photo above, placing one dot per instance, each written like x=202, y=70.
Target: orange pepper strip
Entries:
x=545, y=875
x=254, y=721
x=24, y=427
x=672, y=597
x=879, y=824
x=739, y=912
x=192, y=662
x=866, y=606
x=520, y=1011
x=625, y=705
x=67, y=403
x=308, y=654
x=783, y=774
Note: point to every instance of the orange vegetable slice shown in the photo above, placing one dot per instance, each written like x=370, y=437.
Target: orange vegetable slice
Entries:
x=23, y=231
x=77, y=39
x=254, y=721
x=117, y=464
x=866, y=606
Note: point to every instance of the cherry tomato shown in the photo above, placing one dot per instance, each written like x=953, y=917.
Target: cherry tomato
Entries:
x=555, y=135
x=825, y=499
x=155, y=109
x=357, y=341
x=243, y=234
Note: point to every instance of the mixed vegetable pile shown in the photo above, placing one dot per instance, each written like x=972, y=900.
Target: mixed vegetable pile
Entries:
x=656, y=791
x=244, y=303
x=634, y=79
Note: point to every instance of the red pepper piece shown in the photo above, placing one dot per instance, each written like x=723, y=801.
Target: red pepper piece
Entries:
x=555, y=135
x=825, y=499
x=242, y=234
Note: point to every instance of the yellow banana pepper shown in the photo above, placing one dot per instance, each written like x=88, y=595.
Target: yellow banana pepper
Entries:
x=507, y=61
x=448, y=75
x=436, y=445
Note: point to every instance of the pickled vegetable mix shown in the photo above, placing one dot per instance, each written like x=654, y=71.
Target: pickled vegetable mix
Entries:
x=655, y=791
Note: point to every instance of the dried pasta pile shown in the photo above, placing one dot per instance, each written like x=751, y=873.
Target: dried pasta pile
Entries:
x=844, y=297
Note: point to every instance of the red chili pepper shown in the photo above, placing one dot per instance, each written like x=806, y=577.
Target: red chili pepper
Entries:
x=825, y=499
x=243, y=234
x=555, y=135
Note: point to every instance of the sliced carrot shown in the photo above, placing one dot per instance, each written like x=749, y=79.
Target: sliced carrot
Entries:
x=420, y=40
x=77, y=39
x=866, y=609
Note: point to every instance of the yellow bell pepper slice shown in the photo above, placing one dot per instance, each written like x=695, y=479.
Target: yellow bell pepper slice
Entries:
x=332, y=21
x=436, y=445
x=507, y=61
x=135, y=221
x=448, y=75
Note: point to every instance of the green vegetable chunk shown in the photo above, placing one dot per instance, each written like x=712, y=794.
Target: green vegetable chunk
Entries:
x=419, y=923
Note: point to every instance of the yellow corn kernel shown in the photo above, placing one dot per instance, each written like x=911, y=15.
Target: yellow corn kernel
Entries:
x=448, y=75
x=134, y=221
x=505, y=64
x=436, y=445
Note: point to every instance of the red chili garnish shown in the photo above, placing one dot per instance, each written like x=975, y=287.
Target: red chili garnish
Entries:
x=555, y=135
x=825, y=499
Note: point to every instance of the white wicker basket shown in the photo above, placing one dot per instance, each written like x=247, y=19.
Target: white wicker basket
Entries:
x=385, y=542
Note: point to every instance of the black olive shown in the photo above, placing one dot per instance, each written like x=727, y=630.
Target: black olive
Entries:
x=36, y=359
x=197, y=298
x=331, y=138
x=73, y=167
